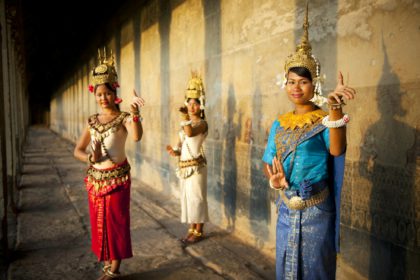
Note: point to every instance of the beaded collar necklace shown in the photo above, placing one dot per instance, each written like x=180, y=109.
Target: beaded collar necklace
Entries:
x=292, y=121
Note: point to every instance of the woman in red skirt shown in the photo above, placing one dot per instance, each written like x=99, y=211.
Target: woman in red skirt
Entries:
x=108, y=176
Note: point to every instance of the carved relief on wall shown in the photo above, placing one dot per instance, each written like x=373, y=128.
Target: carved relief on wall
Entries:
x=383, y=200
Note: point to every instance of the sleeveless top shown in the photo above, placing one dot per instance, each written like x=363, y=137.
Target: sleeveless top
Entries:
x=192, y=157
x=112, y=137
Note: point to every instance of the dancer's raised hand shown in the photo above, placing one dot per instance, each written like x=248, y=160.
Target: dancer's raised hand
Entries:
x=341, y=92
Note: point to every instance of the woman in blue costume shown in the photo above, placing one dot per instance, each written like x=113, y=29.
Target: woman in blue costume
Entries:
x=304, y=162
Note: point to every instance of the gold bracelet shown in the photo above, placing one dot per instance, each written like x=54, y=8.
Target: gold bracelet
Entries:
x=335, y=106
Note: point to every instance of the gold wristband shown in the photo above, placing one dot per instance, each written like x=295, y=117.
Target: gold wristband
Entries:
x=335, y=106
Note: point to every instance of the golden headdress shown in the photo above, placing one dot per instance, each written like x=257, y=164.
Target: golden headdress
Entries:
x=105, y=72
x=195, y=89
x=303, y=57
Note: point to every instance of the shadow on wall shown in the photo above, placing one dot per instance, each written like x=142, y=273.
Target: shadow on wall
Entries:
x=165, y=17
x=212, y=80
x=59, y=125
x=137, y=73
x=137, y=50
x=388, y=161
x=259, y=201
x=230, y=173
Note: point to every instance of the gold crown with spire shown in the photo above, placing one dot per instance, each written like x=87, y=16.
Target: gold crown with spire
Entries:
x=105, y=72
x=303, y=56
x=195, y=89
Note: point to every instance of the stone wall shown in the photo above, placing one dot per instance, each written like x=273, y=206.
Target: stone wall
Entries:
x=13, y=121
x=240, y=47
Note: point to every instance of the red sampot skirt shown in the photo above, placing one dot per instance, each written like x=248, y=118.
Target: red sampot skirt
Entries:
x=110, y=222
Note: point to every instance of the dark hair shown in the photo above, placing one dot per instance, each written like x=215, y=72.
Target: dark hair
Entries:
x=202, y=114
x=108, y=86
x=196, y=99
x=301, y=71
x=111, y=88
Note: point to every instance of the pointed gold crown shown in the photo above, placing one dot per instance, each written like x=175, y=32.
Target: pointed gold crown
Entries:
x=195, y=87
x=303, y=56
x=105, y=72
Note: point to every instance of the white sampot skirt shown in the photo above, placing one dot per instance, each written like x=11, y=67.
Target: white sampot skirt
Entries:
x=194, y=207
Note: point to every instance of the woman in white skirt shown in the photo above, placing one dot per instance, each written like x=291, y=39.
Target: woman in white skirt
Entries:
x=192, y=169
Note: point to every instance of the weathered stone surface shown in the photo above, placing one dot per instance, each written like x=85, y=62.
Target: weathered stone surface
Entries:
x=240, y=47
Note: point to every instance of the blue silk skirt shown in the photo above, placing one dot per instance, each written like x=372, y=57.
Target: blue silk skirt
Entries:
x=305, y=244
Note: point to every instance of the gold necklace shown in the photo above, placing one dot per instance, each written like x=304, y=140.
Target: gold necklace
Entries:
x=292, y=121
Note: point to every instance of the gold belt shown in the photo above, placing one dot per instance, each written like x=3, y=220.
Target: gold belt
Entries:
x=297, y=203
x=192, y=162
x=108, y=179
x=99, y=175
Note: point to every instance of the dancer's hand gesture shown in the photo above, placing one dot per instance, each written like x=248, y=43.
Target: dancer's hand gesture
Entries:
x=184, y=113
x=171, y=151
x=277, y=176
x=96, y=150
x=137, y=102
x=341, y=91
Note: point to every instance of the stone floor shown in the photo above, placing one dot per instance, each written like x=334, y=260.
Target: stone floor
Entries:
x=53, y=240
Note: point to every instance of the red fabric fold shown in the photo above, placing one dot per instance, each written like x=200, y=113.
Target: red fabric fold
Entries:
x=110, y=225
x=109, y=209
